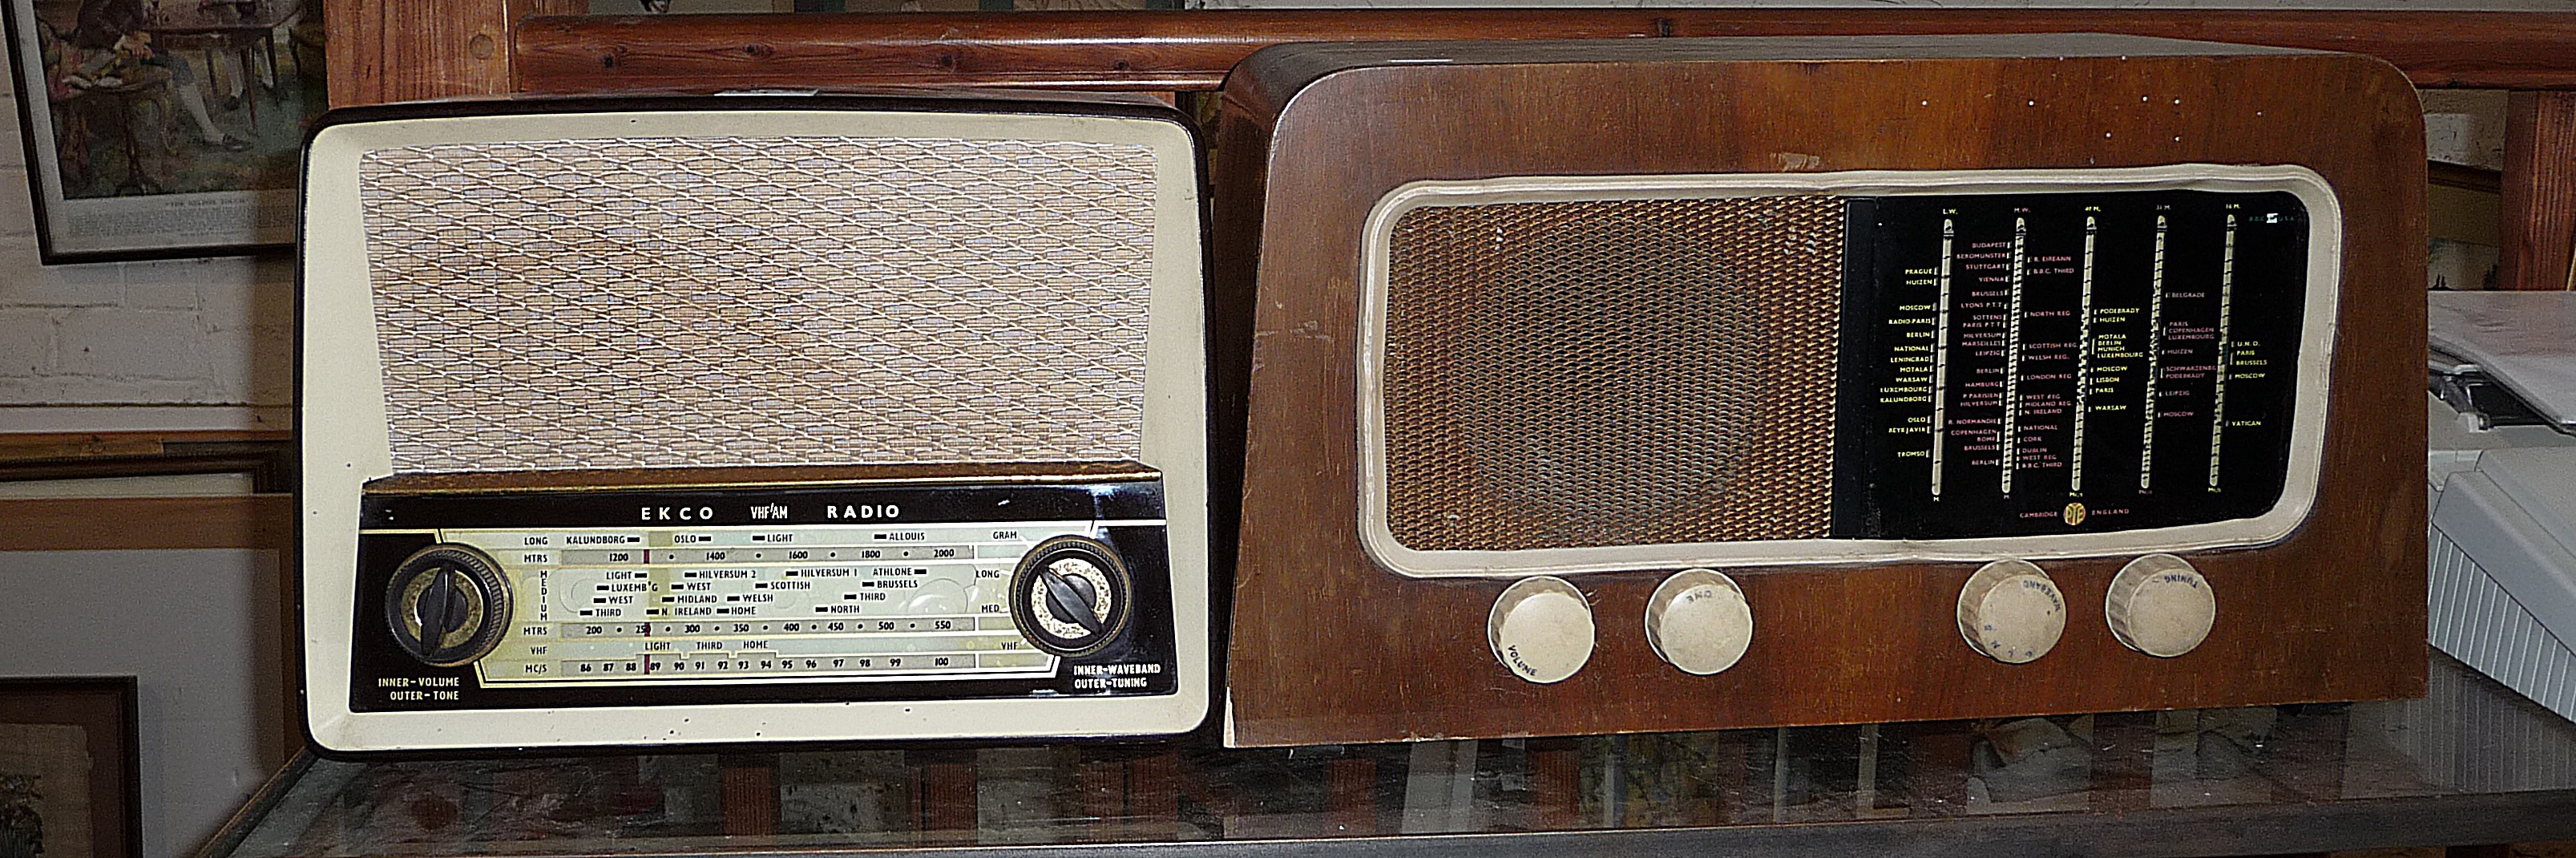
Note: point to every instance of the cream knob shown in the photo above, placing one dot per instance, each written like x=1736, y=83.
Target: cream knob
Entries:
x=2160, y=605
x=2011, y=611
x=1699, y=622
x=1541, y=629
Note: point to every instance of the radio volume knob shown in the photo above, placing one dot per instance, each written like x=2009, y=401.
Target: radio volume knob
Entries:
x=447, y=605
x=1699, y=622
x=1071, y=595
x=2011, y=612
x=2160, y=605
x=1541, y=629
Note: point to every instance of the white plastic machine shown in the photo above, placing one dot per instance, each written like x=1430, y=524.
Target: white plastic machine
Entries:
x=2502, y=467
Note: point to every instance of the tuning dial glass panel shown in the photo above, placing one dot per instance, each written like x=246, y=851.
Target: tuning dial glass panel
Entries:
x=2031, y=364
x=447, y=605
x=763, y=595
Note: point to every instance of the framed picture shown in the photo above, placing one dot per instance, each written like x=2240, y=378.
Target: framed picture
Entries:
x=159, y=128
x=70, y=780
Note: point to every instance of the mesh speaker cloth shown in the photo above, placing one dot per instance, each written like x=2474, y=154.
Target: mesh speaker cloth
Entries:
x=668, y=302
x=1611, y=372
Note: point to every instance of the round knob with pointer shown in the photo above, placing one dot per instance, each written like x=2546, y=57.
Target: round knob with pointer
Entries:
x=447, y=605
x=1071, y=595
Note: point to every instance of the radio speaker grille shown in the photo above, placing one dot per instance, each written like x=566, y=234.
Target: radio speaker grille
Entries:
x=1610, y=372
x=676, y=301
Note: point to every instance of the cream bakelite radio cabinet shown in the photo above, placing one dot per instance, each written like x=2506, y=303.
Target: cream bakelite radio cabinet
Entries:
x=634, y=422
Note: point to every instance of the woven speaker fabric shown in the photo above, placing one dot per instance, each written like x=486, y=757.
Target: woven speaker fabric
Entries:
x=691, y=302
x=1610, y=372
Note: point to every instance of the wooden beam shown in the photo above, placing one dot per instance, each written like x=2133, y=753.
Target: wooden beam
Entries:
x=109, y=524
x=381, y=52
x=2539, y=193
x=1192, y=50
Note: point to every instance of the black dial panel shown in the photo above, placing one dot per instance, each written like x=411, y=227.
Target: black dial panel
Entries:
x=2020, y=364
x=752, y=595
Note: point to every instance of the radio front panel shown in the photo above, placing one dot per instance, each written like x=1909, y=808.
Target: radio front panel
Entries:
x=1838, y=368
x=752, y=595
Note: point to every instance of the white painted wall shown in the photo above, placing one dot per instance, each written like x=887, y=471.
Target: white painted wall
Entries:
x=200, y=629
x=212, y=333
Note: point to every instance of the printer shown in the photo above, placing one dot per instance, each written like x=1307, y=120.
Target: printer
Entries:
x=2501, y=463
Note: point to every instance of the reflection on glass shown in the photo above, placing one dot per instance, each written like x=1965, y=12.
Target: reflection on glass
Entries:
x=2470, y=735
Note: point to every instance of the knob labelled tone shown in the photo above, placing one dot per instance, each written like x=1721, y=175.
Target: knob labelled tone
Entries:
x=1541, y=629
x=1071, y=595
x=2160, y=605
x=447, y=605
x=2011, y=612
x=1698, y=621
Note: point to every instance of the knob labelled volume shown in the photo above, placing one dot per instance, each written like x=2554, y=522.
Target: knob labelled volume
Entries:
x=1540, y=629
x=447, y=605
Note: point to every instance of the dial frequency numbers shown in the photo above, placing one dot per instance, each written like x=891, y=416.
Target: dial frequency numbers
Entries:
x=807, y=601
x=2039, y=357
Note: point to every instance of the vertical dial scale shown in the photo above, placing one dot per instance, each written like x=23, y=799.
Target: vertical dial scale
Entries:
x=2025, y=364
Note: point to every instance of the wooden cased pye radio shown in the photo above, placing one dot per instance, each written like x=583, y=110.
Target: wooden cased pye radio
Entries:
x=1684, y=384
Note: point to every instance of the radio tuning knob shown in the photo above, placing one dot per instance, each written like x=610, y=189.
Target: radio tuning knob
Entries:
x=1698, y=621
x=1540, y=629
x=447, y=605
x=2011, y=612
x=1071, y=595
x=2160, y=605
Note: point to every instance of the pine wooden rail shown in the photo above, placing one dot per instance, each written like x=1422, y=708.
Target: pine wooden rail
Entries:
x=1192, y=50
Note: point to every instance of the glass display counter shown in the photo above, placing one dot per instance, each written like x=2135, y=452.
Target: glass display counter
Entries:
x=2472, y=763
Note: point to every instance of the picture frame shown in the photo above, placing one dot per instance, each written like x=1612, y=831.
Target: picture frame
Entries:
x=70, y=767
x=163, y=128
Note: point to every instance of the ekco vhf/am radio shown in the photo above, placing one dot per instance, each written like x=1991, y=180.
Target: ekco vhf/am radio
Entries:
x=1681, y=384
x=752, y=418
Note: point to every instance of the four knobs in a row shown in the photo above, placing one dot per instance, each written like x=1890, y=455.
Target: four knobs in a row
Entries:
x=1698, y=620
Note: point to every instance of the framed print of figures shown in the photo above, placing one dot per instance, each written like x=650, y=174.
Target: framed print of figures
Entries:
x=158, y=128
x=70, y=777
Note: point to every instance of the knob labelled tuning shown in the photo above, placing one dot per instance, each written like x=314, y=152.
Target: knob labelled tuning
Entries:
x=447, y=605
x=1071, y=595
